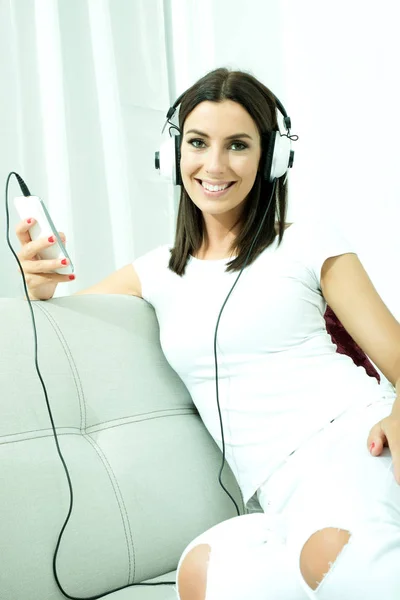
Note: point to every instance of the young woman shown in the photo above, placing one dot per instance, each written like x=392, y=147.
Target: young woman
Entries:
x=299, y=418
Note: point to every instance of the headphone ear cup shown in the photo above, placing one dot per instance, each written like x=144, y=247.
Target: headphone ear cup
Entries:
x=279, y=156
x=167, y=160
x=282, y=156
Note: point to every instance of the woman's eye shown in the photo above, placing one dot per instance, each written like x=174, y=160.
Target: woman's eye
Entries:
x=194, y=142
x=242, y=146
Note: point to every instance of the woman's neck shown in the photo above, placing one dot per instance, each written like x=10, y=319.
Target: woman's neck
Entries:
x=215, y=247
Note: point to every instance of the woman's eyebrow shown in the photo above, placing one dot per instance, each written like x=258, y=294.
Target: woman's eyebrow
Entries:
x=230, y=137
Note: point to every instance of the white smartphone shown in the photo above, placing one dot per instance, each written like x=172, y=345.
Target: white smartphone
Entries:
x=33, y=206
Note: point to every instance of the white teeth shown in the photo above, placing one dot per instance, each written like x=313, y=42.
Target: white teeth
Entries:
x=214, y=188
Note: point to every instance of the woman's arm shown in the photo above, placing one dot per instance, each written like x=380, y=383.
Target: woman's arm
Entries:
x=350, y=293
x=123, y=281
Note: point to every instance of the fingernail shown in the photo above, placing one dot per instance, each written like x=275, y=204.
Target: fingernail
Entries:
x=372, y=446
x=29, y=221
x=71, y=277
x=51, y=239
x=64, y=261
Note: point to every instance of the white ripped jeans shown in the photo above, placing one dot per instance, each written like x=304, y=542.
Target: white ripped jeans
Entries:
x=332, y=481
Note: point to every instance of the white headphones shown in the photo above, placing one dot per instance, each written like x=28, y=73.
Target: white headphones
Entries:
x=278, y=159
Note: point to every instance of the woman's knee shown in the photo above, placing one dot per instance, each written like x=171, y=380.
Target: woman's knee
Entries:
x=319, y=553
x=192, y=573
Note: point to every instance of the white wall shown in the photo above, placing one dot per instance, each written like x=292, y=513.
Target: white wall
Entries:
x=339, y=61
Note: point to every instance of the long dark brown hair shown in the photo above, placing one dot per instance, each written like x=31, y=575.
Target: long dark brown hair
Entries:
x=241, y=87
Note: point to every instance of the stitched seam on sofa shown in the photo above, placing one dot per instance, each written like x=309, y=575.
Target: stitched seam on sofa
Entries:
x=91, y=430
x=74, y=370
x=37, y=437
x=132, y=418
x=120, y=500
x=185, y=412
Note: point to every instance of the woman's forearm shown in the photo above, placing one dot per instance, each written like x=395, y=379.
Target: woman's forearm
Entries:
x=396, y=405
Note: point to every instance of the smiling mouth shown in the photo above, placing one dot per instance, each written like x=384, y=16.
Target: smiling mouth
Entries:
x=200, y=181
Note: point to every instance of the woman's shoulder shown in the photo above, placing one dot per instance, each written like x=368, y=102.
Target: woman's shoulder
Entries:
x=158, y=256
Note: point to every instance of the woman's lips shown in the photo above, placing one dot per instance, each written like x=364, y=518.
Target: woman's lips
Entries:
x=210, y=194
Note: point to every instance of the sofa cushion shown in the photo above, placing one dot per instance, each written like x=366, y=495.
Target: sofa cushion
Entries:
x=144, y=469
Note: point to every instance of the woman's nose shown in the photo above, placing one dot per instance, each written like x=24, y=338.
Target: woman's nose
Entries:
x=215, y=161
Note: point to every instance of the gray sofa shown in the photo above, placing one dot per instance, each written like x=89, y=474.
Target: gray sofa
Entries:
x=144, y=469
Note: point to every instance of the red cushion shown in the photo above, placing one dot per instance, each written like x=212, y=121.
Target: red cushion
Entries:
x=346, y=345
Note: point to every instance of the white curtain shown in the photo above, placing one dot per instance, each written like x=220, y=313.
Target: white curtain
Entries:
x=85, y=91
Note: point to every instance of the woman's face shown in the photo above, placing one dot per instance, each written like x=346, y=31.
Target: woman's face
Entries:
x=221, y=147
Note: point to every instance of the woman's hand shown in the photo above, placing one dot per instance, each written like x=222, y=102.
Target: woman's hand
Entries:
x=387, y=433
x=40, y=279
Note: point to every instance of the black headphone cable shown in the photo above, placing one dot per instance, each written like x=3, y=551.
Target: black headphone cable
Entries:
x=215, y=347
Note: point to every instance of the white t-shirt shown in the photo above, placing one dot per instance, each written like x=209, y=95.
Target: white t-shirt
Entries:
x=280, y=377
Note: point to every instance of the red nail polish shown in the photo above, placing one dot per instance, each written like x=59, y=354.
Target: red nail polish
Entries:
x=372, y=446
x=71, y=277
x=51, y=239
x=29, y=221
x=64, y=261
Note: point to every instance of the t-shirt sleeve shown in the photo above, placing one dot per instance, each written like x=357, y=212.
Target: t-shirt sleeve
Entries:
x=323, y=240
x=150, y=268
